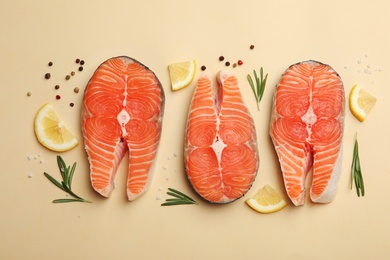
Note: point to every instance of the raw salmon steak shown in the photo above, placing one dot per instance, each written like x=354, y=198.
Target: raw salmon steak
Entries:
x=221, y=157
x=122, y=112
x=306, y=128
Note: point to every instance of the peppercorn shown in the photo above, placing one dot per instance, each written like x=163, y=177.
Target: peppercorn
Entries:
x=77, y=60
x=239, y=62
x=76, y=90
x=203, y=68
x=28, y=94
x=72, y=73
x=71, y=104
x=50, y=64
x=227, y=63
x=252, y=47
x=221, y=58
x=82, y=62
x=67, y=77
x=234, y=65
x=80, y=68
x=58, y=97
x=47, y=76
x=57, y=86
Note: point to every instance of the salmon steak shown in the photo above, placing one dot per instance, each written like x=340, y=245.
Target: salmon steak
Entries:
x=306, y=129
x=122, y=112
x=220, y=155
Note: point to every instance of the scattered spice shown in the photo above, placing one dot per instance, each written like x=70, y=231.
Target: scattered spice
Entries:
x=82, y=62
x=50, y=64
x=234, y=65
x=203, y=68
x=72, y=73
x=57, y=86
x=58, y=97
x=77, y=61
x=67, y=77
x=239, y=62
x=252, y=47
x=71, y=104
x=47, y=76
x=28, y=94
x=76, y=90
x=221, y=58
x=227, y=64
x=80, y=68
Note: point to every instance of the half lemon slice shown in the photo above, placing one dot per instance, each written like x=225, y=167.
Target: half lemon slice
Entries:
x=360, y=102
x=51, y=132
x=181, y=74
x=266, y=200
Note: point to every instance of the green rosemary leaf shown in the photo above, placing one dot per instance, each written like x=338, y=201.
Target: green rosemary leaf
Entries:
x=258, y=90
x=174, y=195
x=54, y=181
x=356, y=171
x=71, y=175
x=179, y=198
x=176, y=199
x=174, y=203
x=67, y=174
x=181, y=194
x=67, y=200
x=61, y=166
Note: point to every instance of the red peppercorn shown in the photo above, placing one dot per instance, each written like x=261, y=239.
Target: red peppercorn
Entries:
x=58, y=97
x=239, y=62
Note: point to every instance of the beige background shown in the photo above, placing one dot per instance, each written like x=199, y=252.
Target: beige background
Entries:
x=351, y=36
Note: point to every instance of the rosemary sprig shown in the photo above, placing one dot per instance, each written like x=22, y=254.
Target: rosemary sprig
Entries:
x=356, y=171
x=258, y=90
x=179, y=198
x=67, y=174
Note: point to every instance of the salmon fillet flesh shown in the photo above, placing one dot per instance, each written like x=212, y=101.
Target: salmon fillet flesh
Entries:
x=220, y=155
x=306, y=128
x=122, y=112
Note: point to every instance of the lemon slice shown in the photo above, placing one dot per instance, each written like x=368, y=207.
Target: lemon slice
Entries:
x=50, y=131
x=266, y=200
x=181, y=74
x=360, y=102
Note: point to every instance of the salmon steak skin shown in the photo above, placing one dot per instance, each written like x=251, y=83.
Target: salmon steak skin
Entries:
x=306, y=128
x=220, y=155
x=122, y=112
